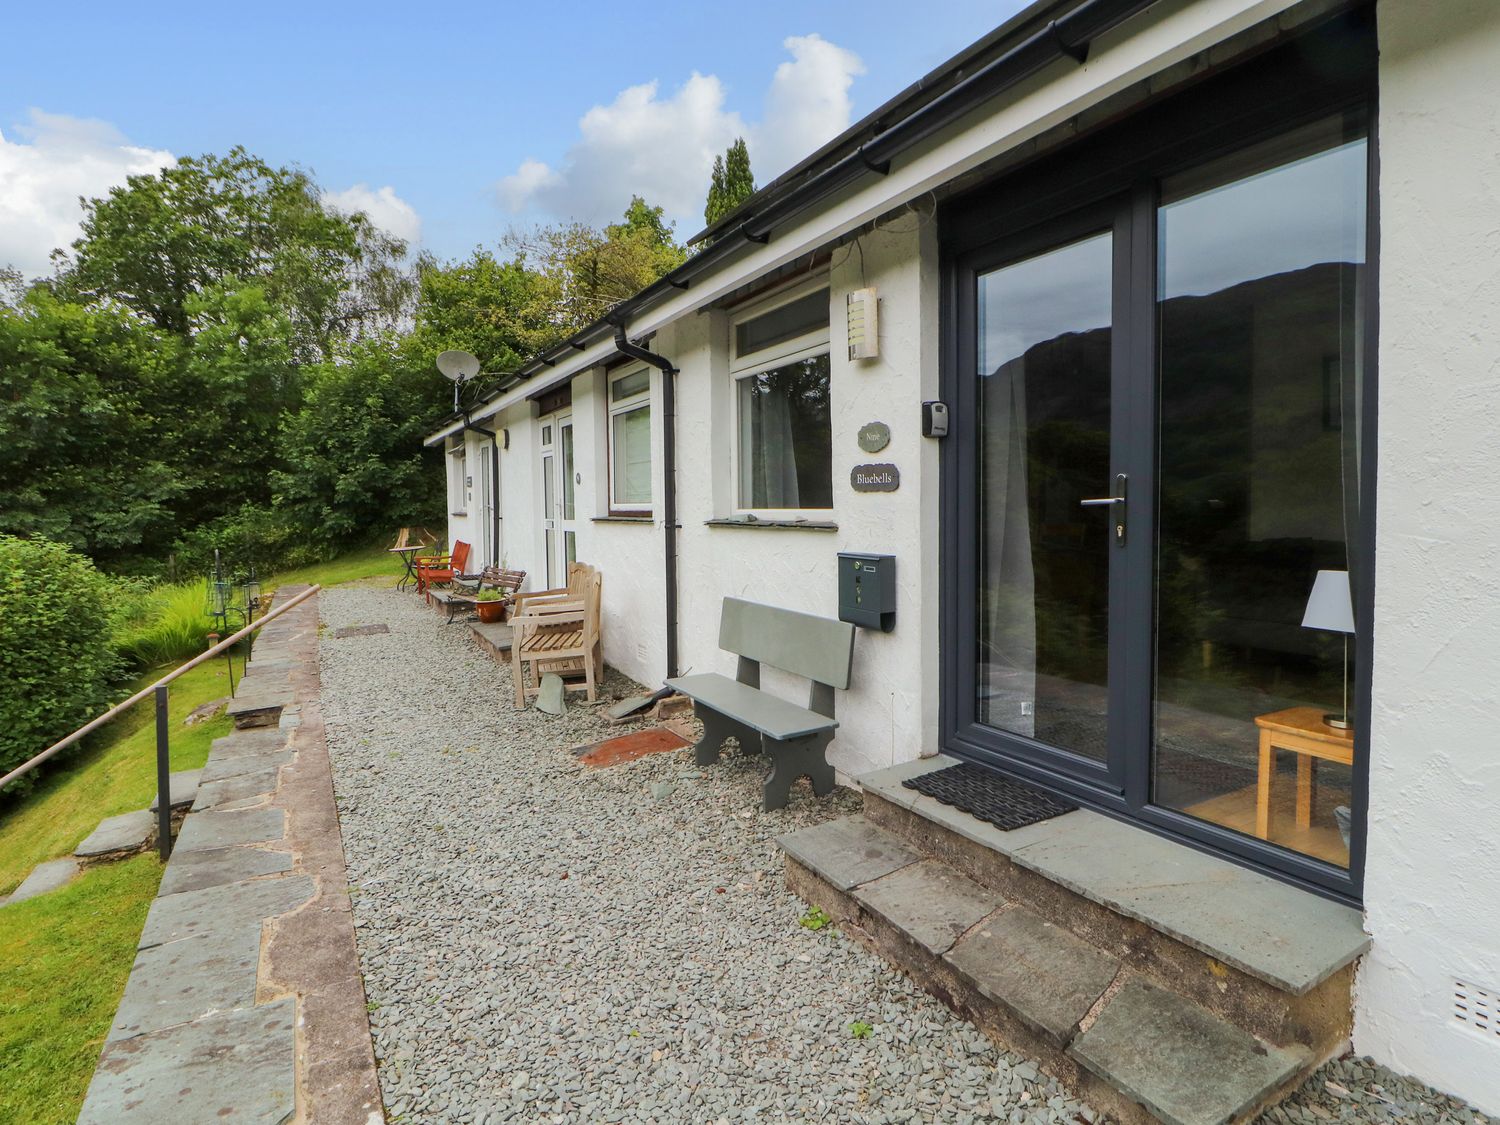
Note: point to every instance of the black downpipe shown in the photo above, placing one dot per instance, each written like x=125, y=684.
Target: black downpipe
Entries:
x=494, y=479
x=669, y=474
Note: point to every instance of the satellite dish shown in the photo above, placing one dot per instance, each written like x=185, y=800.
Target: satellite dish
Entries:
x=457, y=365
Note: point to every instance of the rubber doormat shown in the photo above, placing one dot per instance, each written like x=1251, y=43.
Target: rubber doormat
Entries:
x=986, y=794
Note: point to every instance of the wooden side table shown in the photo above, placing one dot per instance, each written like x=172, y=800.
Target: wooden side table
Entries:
x=1303, y=731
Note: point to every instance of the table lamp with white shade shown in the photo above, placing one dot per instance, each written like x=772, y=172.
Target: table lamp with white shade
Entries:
x=1330, y=607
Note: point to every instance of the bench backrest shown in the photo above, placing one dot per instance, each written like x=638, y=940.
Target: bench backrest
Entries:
x=804, y=644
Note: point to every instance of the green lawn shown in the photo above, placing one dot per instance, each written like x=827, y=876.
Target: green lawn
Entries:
x=64, y=958
x=367, y=562
x=115, y=774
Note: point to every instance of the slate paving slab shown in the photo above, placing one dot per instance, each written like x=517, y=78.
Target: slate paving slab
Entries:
x=235, y=1066
x=1271, y=930
x=178, y=916
x=254, y=783
x=214, y=867
x=221, y=829
x=218, y=769
x=256, y=740
x=932, y=903
x=44, y=877
x=1159, y=1049
x=360, y=631
x=127, y=832
x=183, y=787
x=848, y=852
x=1045, y=975
x=183, y=980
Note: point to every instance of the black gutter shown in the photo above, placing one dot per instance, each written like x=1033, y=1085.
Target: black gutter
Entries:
x=669, y=474
x=1066, y=37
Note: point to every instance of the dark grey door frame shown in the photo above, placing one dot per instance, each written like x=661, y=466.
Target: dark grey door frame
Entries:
x=1115, y=172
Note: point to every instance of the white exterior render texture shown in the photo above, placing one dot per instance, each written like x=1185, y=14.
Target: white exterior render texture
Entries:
x=1430, y=885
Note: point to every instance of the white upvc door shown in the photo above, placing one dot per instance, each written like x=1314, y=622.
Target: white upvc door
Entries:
x=485, y=533
x=567, y=495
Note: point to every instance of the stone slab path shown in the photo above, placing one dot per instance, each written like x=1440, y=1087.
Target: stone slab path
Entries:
x=244, y=1002
x=544, y=942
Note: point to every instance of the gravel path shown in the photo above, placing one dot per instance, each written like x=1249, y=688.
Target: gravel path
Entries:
x=546, y=943
x=542, y=942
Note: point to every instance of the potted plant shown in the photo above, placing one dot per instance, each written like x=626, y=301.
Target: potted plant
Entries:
x=491, y=605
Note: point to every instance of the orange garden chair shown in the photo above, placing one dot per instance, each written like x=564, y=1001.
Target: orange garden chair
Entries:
x=439, y=569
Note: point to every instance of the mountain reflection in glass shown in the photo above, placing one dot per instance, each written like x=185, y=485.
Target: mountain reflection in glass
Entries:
x=1261, y=262
x=1044, y=326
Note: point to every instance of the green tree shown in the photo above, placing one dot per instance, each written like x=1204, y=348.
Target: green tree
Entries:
x=83, y=391
x=731, y=184
x=237, y=386
x=162, y=238
x=584, y=272
x=482, y=305
x=55, y=671
x=354, y=463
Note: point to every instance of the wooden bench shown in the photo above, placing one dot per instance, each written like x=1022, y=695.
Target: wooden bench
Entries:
x=794, y=738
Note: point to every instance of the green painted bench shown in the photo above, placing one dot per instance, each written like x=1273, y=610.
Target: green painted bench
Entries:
x=794, y=738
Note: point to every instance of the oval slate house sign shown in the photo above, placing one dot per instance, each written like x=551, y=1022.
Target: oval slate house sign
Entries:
x=874, y=436
x=875, y=478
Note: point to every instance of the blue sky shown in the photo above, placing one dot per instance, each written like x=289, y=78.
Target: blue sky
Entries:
x=431, y=107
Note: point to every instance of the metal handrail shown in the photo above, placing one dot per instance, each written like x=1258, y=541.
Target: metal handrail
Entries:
x=159, y=689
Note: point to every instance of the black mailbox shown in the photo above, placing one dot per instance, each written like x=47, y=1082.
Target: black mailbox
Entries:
x=867, y=590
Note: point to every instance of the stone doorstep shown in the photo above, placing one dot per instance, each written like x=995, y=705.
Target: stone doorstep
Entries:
x=1288, y=938
x=1154, y=1052
x=848, y=851
x=239, y=1065
x=1186, y=1066
x=1042, y=974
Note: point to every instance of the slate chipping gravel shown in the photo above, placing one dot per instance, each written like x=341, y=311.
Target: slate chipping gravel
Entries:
x=545, y=943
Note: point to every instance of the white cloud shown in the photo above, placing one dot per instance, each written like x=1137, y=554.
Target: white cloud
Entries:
x=663, y=148
x=383, y=206
x=57, y=159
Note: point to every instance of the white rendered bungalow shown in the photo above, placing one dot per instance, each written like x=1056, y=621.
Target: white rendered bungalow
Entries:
x=1208, y=292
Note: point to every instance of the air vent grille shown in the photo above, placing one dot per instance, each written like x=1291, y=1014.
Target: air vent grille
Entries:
x=1477, y=1008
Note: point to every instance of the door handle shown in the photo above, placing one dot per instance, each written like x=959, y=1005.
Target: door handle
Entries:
x=1117, y=503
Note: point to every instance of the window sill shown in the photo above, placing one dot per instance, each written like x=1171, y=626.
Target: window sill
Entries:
x=644, y=517
x=458, y=513
x=779, y=525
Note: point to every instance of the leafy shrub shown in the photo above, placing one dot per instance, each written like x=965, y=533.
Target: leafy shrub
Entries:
x=265, y=538
x=56, y=659
x=162, y=624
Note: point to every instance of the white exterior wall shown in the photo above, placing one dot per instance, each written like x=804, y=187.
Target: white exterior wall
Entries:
x=1432, y=881
x=890, y=712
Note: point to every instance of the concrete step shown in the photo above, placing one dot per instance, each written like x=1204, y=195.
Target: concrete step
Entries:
x=44, y=877
x=118, y=835
x=1121, y=1039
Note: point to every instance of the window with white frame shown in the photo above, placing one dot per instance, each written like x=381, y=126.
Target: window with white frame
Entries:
x=630, y=441
x=458, y=479
x=780, y=367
